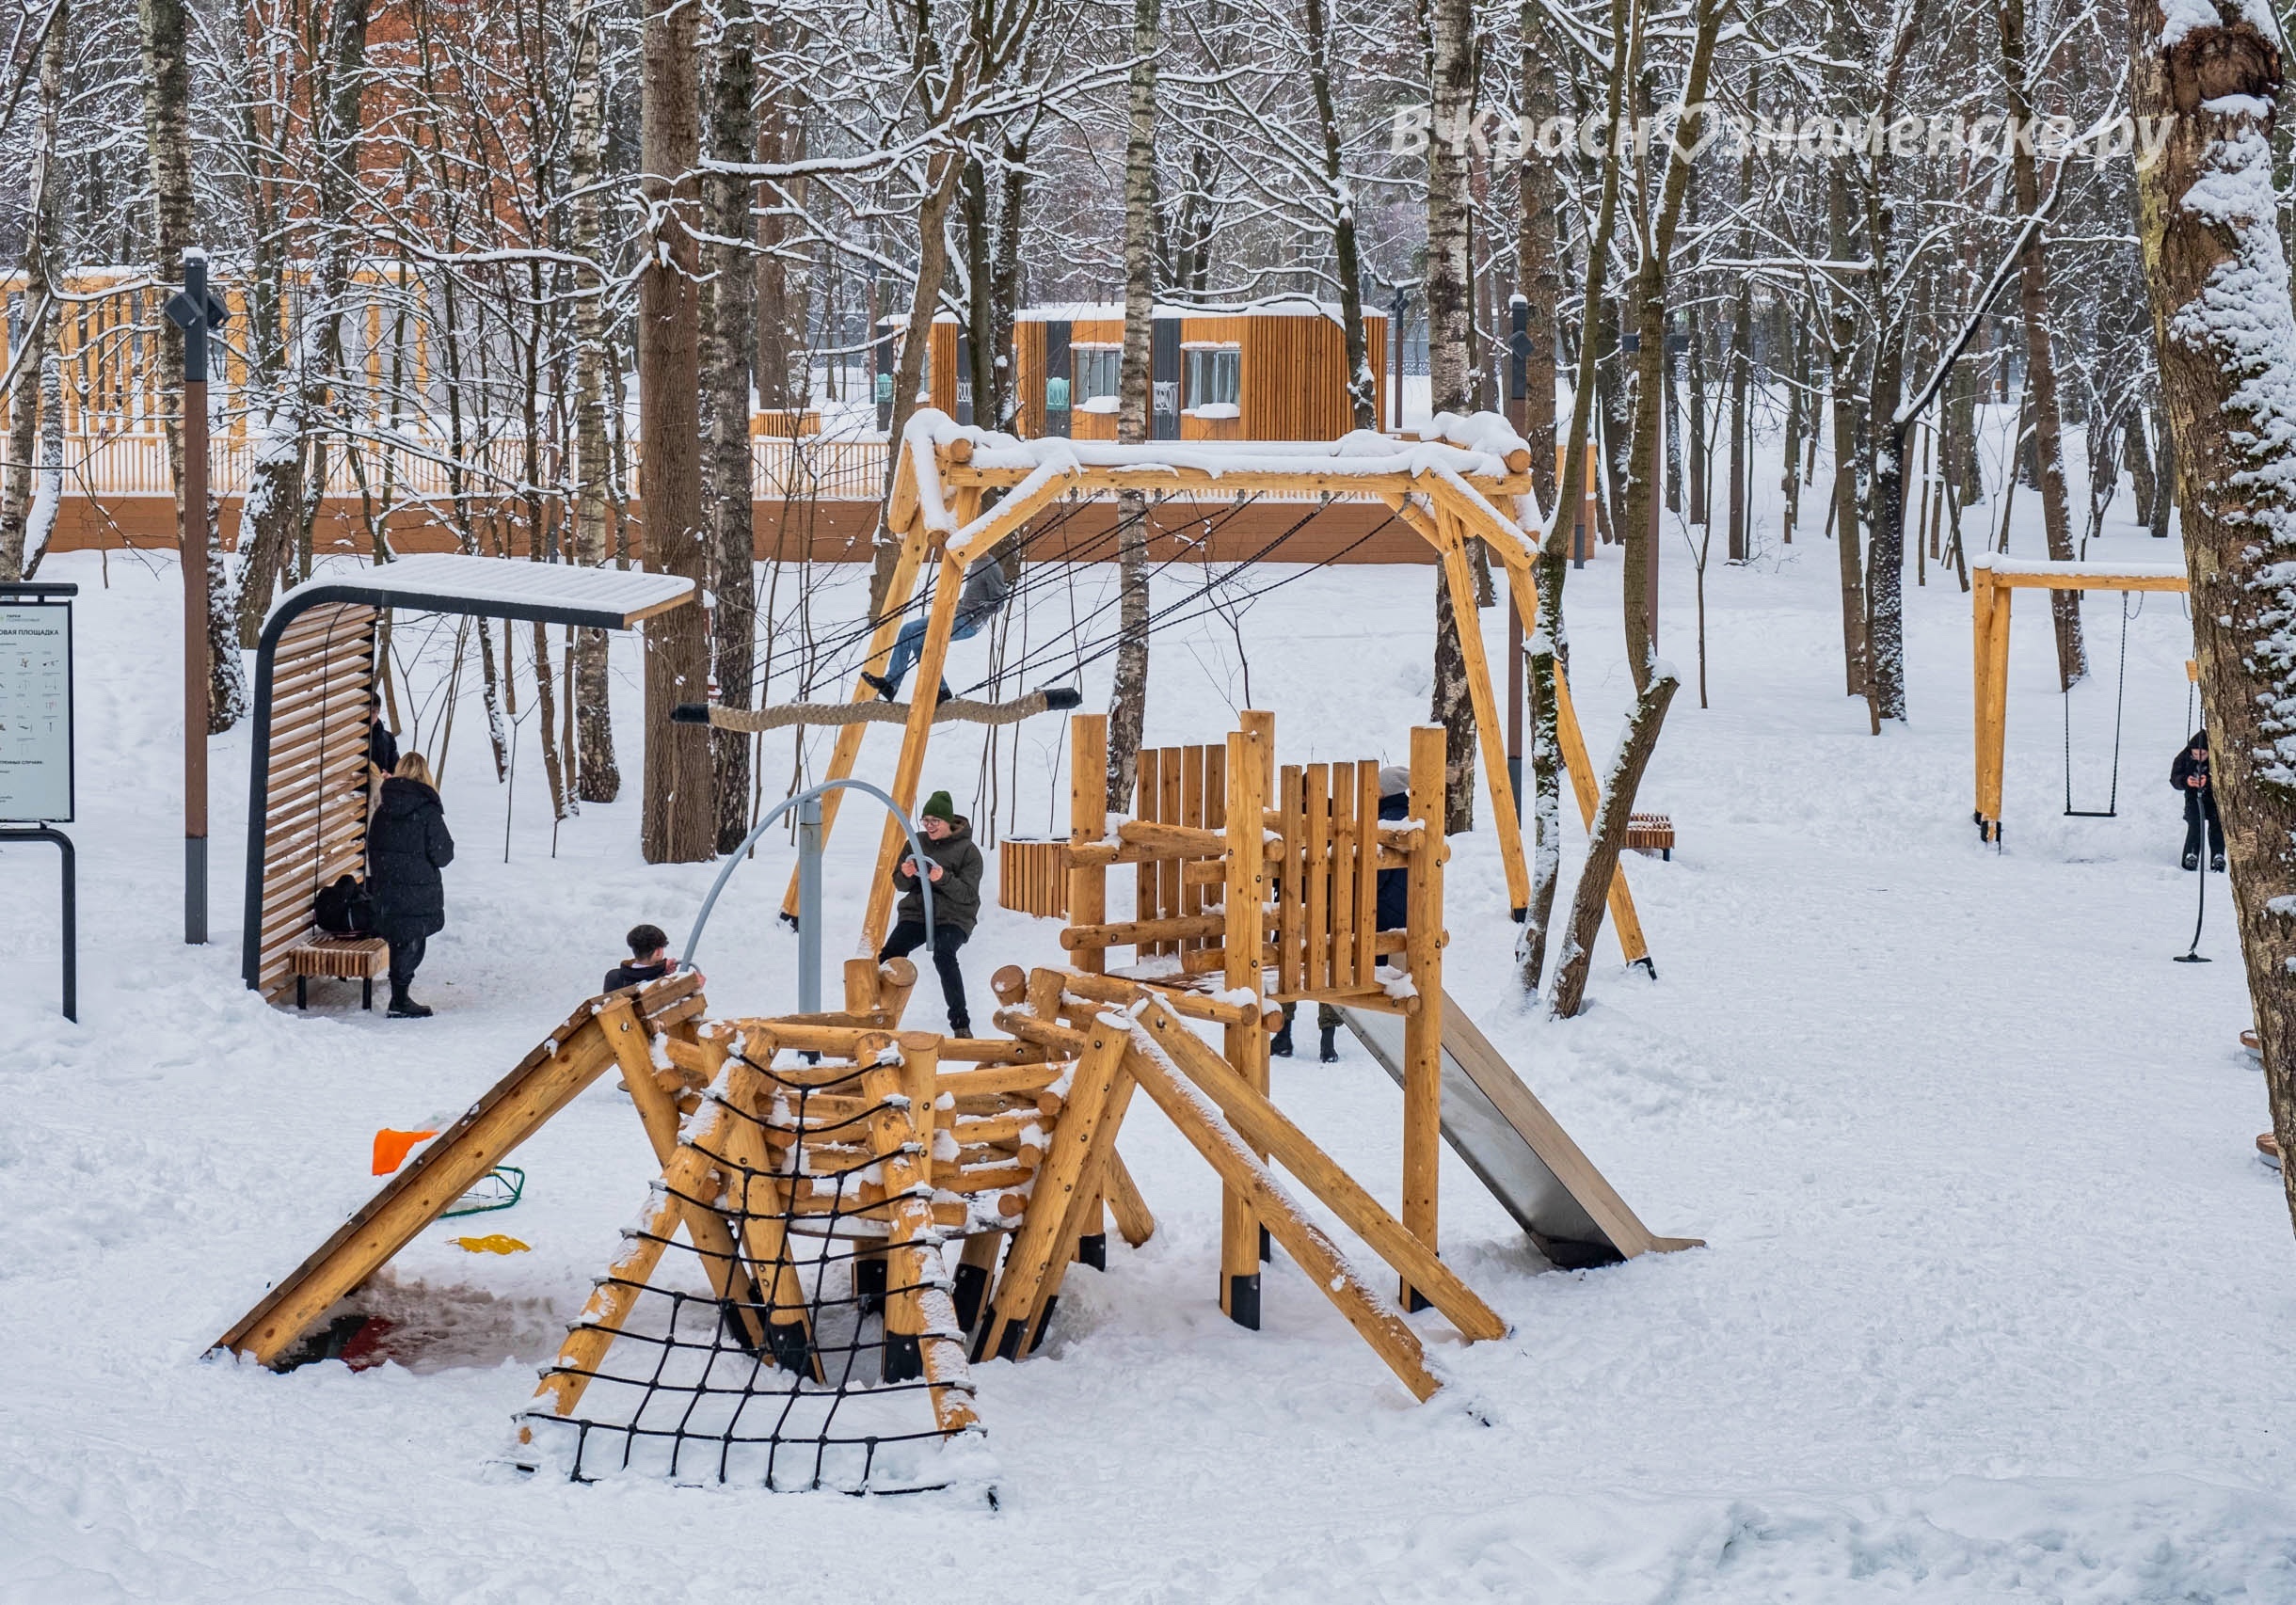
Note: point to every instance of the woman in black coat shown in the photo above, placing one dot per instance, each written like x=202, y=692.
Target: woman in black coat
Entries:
x=407, y=845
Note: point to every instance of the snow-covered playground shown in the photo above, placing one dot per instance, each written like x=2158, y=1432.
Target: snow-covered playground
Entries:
x=1996, y=1301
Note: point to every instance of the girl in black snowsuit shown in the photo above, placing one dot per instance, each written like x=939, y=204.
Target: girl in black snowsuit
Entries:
x=2189, y=774
x=407, y=845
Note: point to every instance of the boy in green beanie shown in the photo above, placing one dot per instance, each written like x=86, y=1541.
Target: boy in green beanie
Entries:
x=953, y=865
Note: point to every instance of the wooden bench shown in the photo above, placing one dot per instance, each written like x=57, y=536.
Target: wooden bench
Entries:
x=1652, y=833
x=338, y=957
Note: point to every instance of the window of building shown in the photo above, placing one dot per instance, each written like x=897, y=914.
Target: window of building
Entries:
x=1215, y=377
x=1096, y=369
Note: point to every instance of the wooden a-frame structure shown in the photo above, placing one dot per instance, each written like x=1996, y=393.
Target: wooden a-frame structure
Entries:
x=1994, y=582
x=1448, y=491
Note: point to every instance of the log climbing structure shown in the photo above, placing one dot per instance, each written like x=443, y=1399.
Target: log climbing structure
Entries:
x=959, y=493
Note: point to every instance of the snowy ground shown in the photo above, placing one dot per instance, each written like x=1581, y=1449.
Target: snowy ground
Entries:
x=1996, y=1307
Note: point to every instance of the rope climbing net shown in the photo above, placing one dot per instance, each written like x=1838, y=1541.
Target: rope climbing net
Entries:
x=797, y=1333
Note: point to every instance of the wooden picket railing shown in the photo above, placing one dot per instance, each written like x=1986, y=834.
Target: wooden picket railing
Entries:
x=128, y=465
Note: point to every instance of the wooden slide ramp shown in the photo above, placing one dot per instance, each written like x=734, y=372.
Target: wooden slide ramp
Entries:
x=1518, y=1149
x=516, y=1106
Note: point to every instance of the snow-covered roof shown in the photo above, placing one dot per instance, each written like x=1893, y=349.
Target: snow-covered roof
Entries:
x=1113, y=311
x=1457, y=449
x=497, y=587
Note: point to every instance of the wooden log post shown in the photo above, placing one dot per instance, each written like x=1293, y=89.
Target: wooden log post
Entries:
x=1057, y=1180
x=1249, y=755
x=1505, y=809
x=1423, y=1030
x=1262, y=1125
x=910, y=765
x=1088, y=821
x=861, y=986
x=1381, y=1325
x=712, y=1231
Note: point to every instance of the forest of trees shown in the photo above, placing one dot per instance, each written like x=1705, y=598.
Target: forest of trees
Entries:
x=518, y=240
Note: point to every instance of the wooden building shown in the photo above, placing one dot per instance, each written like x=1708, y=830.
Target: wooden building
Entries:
x=1275, y=371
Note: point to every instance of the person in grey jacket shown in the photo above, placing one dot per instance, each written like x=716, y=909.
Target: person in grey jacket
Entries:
x=986, y=588
x=954, y=864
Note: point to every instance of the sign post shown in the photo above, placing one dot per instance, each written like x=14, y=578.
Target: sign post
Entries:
x=197, y=312
x=36, y=747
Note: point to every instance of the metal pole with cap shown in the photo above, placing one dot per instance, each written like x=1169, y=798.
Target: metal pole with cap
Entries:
x=194, y=310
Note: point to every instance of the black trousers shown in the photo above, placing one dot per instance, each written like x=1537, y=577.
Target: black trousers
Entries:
x=2197, y=806
x=405, y=958
x=908, y=936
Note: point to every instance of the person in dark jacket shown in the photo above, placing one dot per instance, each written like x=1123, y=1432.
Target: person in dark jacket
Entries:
x=1393, y=895
x=407, y=845
x=382, y=746
x=986, y=586
x=649, y=958
x=2189, y=774
x=953, y=864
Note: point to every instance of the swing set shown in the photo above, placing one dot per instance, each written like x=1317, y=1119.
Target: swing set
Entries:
x=959, y=493
x=1994, y=582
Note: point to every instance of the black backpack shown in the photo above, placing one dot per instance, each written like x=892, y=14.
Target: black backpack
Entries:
x=345, y=909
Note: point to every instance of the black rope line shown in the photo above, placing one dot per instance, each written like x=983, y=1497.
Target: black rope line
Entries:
x=1162, y=618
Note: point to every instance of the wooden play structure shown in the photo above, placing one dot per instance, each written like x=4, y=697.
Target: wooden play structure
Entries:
x=308, y=791
x=850, y=1214
x=1994, y=582
x=959, y=493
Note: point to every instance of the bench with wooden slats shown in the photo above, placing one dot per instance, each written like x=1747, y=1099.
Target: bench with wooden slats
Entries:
x=338, y=957
x=1652, y=833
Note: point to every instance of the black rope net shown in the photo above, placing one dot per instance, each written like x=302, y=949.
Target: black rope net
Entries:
x=802, y=1338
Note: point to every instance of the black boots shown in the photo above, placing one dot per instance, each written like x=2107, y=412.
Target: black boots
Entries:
x=404, y=1007
x=960, y=1026
x=2216, y=862
x=881, y=685
x=2192, y=861
x=1279, y=1046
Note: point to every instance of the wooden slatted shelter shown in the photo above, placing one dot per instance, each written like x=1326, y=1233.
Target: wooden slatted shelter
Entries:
x=308, y=796
x=1994, y=582
x=1468, y=480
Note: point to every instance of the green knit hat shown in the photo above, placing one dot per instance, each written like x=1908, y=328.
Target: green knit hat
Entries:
x=938, y=806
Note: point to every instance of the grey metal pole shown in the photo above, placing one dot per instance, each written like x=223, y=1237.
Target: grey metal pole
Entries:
x=809, y=903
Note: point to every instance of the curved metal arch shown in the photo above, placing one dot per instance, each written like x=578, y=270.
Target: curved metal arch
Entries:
x=809, y=930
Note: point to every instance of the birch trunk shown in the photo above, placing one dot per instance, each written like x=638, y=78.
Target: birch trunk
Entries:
x=1362, y=396
x=1540, y=283
x=1644, y=466
x=1451, y=74
x=161, y=27
x=732, y=306
x=1128, y=696
x=26, y=408
x=597, y=776
x=2040, y=362
x=943, y=170
x=1546, y=648
x=781, y=304
x=2218, y=282
x=679, y=820
x=281, y=492
x=1841, y=356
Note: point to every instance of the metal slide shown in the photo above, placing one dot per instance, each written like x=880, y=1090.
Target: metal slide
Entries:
x=1518, y=1149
